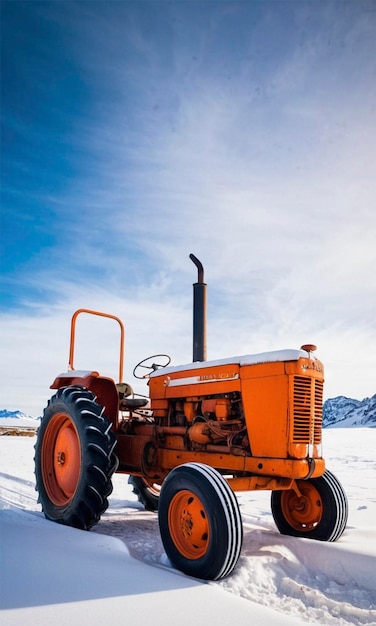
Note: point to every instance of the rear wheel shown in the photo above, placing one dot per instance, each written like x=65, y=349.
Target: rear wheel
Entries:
x=200, y=522
x=319, y=513
x=147, y=492
x=74, y=458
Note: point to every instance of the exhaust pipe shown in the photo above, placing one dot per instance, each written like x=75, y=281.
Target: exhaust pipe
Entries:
x=199, y=313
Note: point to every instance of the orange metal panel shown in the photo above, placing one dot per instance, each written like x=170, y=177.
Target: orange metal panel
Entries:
x=261, y=370
x=315, y=369
x=260, y=483
x=174, y=442
x=271, y=467
x=197, y=381
x=129, y=449
x=265, y=402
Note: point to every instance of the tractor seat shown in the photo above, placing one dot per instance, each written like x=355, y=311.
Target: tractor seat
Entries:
x=127, y=403
x=133, y=403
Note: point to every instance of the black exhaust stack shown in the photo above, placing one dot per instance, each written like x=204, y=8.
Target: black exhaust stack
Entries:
x=199, y=313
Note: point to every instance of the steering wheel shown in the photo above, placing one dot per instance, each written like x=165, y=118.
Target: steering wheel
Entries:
x=153, y=366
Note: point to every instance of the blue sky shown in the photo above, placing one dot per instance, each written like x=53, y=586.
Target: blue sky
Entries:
x=134, y=133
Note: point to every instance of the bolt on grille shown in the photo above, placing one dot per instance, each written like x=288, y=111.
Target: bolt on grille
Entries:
x=308, y=396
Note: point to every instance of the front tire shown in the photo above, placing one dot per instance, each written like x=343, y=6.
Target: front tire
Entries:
x=320, y=513
x=74, y=459
x=200, y=522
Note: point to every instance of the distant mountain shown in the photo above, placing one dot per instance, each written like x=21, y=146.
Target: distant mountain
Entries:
x=342, y=412
x=15, y=415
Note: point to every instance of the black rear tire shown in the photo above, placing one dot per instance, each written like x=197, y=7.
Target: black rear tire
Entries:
x=320, y=513
x=200, y=522
x=146, y=493
x=74, y=458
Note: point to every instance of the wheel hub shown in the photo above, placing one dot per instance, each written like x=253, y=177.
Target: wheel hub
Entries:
x=60, y=458
x=189, y=525
x=186, y=523
x=302, y=512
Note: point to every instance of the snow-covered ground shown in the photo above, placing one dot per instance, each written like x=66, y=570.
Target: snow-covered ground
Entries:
x=51, y=574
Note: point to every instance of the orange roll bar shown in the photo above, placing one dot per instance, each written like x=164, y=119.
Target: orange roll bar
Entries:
x=100, y=314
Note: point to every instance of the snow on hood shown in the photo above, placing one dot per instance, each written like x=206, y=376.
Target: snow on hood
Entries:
x=248, y=359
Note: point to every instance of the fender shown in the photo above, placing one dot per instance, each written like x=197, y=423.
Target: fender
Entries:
x=102, y=387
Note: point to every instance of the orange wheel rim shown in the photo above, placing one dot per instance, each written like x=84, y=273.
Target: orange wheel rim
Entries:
x=61, y=459
x=189, y=525
x=303, y=512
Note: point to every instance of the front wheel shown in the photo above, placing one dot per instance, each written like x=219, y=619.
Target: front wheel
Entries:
x=74, y=458
x=200, y=522
x=320, y=512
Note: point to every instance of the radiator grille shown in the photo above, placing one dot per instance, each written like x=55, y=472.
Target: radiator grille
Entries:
x=308, y=395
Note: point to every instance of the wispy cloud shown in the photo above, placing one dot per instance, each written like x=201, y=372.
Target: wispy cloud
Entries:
x=247, y=138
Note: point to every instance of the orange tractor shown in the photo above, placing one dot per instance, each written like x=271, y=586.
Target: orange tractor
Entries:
x=207, y=430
